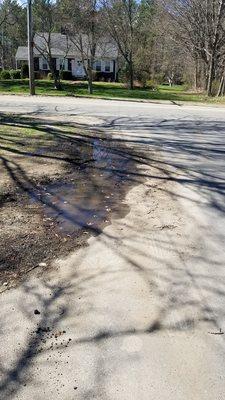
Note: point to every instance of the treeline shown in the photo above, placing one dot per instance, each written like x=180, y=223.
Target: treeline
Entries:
x=173, y=41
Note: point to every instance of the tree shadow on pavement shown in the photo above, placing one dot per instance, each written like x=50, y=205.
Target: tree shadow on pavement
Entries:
x=184, y=276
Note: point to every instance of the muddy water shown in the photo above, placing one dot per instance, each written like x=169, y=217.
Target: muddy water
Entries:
x=93, y=192
x=82, y=184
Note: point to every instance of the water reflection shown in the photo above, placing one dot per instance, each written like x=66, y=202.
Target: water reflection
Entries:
x=93, y=192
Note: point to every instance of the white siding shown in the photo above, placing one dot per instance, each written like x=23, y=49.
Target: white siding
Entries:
x=111, y=66
x=66, y=65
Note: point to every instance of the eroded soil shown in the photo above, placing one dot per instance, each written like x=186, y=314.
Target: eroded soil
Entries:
x=59, y=185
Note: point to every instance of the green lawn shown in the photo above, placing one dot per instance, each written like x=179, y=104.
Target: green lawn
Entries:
x=106, y=90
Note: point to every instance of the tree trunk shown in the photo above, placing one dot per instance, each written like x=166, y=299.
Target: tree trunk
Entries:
x=57, y=83
x=210, y=76
x=206, y=76
x=90, y=86
x=90, y=81
x=196, y=74
x=221, y=87
x=56, y=77
x=55, y=74
x=202, y=75
x=131, y=75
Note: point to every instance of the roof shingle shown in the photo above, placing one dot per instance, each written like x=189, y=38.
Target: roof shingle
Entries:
x=61, y=46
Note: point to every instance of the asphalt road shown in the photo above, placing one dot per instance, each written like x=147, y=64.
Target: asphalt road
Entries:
x=143, y=306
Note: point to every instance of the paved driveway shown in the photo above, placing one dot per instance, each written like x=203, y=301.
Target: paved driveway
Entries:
x=139, y=313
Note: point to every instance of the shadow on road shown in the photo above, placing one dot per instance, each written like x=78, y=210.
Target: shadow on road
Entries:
x=187, y=284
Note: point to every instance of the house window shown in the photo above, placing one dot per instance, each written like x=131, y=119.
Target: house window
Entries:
x=61, y=64
x=98, y=66
x=44, y=64
x=107, y=66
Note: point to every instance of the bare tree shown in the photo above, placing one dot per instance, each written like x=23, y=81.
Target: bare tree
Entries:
x=200, y=28
x=3, y=19
x=83, y=25
x=121, y=19
x=46, y=23
x=44, y=42
x=10, y=22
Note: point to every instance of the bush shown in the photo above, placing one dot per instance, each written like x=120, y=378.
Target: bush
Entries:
x=150, y=84
x=24, y=71
x=5, y=74
x=37, y=75
x=66, y=75
x=94, y=76
x=141, y=77
x=123, y=74
x=159, y=78
x=99, y=76
x=15, y=73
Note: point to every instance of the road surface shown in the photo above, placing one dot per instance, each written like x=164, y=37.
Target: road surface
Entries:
x=139, y=314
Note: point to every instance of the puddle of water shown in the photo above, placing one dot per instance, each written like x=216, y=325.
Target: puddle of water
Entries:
x=93, y=191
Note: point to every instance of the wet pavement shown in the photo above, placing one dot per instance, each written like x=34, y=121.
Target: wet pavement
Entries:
x=93, y=192
x=53, y=214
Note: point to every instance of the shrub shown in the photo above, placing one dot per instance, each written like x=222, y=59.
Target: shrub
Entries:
x=123, y=74
x=103, y=76
x=141, y=78
x=159, y=78
x=5, y=74
x=94, y=75
x=66, y=75
x=37, y=75
x=24, y=71
x=15, y=73
x=150, y=84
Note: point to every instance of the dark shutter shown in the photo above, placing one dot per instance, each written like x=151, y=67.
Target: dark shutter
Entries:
x=69, y=64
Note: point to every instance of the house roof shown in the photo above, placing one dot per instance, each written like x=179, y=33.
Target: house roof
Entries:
x=22, y=53
x=62, y=46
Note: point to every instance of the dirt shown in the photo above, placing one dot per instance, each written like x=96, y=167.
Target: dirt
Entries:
x=59, y=185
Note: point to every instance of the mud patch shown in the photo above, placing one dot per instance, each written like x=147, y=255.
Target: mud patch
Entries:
x=59, y=186
x=93, y=193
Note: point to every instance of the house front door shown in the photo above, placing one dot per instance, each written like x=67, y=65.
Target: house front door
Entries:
x=78, y=69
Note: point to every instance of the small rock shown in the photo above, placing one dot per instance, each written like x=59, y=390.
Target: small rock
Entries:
x=5, y=284
x=37, y=312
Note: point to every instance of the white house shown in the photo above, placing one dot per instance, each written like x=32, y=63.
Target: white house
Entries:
x=67, y=56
